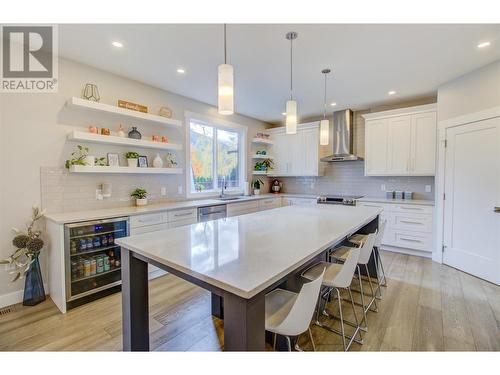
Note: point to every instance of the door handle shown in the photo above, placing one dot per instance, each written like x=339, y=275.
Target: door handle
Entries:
x=497, y=210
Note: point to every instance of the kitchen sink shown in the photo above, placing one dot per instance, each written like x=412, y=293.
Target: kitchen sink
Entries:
x=228, y=198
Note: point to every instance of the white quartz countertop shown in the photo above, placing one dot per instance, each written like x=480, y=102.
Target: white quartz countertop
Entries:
x=398, y=201
x=246, y=254
x=77, y=216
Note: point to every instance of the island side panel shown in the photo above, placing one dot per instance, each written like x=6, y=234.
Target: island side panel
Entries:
x=135, y=302
x=244, y=323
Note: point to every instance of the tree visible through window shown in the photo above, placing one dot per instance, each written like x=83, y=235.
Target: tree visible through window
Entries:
x=215, y=155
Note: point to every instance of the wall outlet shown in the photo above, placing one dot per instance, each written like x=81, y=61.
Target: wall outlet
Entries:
x=98, y=194
x=382, y=187
x=163, y=191
x=179, y=189
x=428, y=188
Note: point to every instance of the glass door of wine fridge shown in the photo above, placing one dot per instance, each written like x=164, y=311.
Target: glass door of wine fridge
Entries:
x=93, y=260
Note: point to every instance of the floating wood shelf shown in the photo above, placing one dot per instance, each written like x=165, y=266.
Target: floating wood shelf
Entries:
x=123, y=112
x=258, y=156
x=262, y=141
x=260, y=173
x=78, y=136
x=123, y=170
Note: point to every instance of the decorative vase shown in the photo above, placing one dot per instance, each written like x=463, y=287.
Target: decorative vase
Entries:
x=89, y=160
x=91, y=92
x=34, y=293
x=121, y=133
x=157, y=161
x=141, y=202
x=132, y=162
x=134, y=133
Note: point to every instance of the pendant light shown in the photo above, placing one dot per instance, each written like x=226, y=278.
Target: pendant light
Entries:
x=225, y=84
x=291, y=105
x=324, y=125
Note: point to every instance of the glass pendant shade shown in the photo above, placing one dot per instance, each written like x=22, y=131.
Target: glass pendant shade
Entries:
x=324, y=127
x=291, y=117
x=226, y=89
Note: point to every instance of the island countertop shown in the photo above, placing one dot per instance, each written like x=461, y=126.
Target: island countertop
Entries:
x=246, y=254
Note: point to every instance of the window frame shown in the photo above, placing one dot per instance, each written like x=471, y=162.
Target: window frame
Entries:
x=216, y=123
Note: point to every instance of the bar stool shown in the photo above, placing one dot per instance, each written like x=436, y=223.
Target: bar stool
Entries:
x=342, y=254
x=289, y=314
x=358, y=240
x=336, y=277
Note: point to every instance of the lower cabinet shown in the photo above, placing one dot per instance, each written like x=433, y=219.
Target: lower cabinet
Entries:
x=242, y=208
x=290, y=201
x=269, y=203
x=408, y=226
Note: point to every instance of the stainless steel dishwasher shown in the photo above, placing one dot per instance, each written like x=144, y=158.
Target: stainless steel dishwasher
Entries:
x=211, y=212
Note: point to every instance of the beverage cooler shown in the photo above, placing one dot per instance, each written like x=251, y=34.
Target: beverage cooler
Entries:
x=92, y=259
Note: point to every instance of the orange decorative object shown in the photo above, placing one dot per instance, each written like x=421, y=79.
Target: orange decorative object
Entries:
x=93, y=129
x=156, y=138
x=105, y=131
x=132, y=106
x=164, y=139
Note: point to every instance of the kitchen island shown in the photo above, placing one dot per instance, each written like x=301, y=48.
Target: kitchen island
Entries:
x=239, y=259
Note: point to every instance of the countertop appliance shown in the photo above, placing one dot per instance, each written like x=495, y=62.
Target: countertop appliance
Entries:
x=211, y=212
x=276, y=186
x=342, y=138
x=346, y=200
x=92, y=259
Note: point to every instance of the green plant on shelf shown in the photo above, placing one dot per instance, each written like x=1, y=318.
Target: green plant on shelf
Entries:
x=101, y=162
x=264, y=165
x=139, y=193
x=132, y=155
x=77, y=157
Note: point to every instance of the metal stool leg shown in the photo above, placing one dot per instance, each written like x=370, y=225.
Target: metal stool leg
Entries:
x=374, y=299
x=358, y=328
x=312, y=340
x=341, y=319
x=362, y=297
x=384, y=283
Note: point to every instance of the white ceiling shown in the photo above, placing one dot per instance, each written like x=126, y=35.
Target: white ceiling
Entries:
x=366, y=60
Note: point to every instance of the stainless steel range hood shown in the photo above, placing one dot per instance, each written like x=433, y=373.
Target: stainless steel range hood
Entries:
x=342, y=138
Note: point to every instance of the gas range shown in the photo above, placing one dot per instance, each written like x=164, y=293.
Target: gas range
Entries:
x=346, y=200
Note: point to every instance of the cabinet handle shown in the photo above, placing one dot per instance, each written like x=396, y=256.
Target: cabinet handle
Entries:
x=409, y=239
x=183, y=214
x=411, y=208
x=496, y=209
x=411, y=222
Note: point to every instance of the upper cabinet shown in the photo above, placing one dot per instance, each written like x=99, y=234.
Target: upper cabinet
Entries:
x=401, y=142
x=297, y=154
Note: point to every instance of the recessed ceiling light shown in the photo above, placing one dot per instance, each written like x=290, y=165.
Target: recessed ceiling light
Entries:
x=181, y=71
x=283, y=113
x=117, y=44
x=333, y=104
x=392, y=92
x=484, y=44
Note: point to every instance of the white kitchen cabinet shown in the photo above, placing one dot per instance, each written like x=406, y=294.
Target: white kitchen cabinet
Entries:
x=297, y=154
x=408, y=227
x=269, y=203
x=401, y=142
x=242, y=208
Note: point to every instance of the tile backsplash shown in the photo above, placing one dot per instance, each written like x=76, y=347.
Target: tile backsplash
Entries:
x=348, y=178
x=65, y=192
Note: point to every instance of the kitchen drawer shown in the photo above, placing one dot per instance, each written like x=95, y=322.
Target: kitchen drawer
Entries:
x=182, y=222
x=148, y=219
x=148, y=228
x=267, y=204
x=409, y=240
x=190, y=213
x=242, y=208
x=299, y=202
x=418, y=209
x=411, y=221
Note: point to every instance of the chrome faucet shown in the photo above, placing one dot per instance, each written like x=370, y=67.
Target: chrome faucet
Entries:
x=224, y=187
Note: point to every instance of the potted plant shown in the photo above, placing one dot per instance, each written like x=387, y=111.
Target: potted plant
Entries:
x=141, y=196
x=79, y=157
x=257, y=184
x=132, y=158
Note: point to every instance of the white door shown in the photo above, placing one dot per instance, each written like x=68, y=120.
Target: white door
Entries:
x=376, y=147
x=423, y=144
x=472, y=188
x=399, y=145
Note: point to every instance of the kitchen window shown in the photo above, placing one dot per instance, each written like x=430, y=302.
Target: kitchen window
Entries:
x=216, y=151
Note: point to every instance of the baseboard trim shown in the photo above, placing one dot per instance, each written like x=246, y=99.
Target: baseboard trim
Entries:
x=12, y=298
x=418, y=253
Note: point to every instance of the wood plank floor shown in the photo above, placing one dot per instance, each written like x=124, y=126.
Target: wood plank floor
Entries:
x=426, y=306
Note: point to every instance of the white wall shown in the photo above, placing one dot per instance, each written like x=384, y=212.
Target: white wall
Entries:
x=472, y=92
x=469, y=94
x=33, y=129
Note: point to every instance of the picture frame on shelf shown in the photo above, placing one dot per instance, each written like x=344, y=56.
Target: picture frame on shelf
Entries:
x=113, y=160
x=143, y=161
